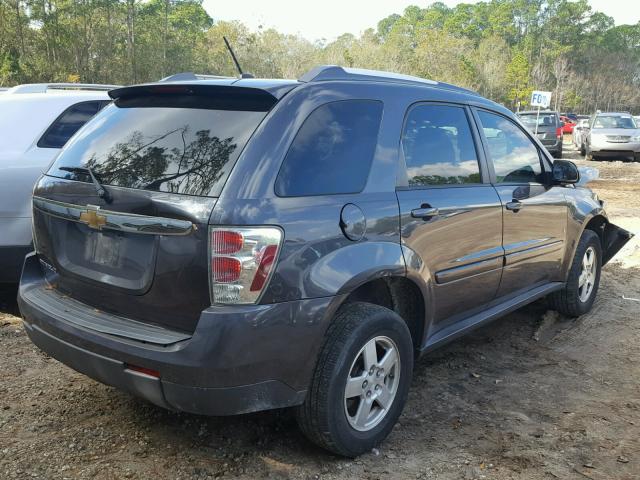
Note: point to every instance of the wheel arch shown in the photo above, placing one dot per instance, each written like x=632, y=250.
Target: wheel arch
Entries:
x=397, y=293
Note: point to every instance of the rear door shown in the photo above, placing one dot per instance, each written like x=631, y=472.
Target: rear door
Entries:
x=450, y=214
x=534, y=211
x=162, y=156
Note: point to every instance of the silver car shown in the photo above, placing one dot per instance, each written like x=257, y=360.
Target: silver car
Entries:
x=613, y=135
x=579, y=134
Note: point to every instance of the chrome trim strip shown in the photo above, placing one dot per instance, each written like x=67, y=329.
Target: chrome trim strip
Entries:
x=118, y=221
x=529, y=253
x=471, y=269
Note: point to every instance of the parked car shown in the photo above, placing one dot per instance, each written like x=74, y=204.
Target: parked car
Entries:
x=546, y=125
x=36, y=120
x=579, y=134
x=612, y=135
x=228, y=246
x=567, y=124
x=3, y=90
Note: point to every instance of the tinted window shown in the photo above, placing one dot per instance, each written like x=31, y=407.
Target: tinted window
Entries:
x=179, y=150
x=438, y=146
x=67, y=124
x=332, y=151
x=515, y=158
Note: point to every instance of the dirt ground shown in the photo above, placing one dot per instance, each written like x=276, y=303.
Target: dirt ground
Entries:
x=532, y=396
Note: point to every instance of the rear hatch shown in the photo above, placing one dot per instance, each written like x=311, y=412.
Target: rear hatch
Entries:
x=545, y=126
x=121, y=217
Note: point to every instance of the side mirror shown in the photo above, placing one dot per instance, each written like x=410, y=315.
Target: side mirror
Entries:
x=565, y=172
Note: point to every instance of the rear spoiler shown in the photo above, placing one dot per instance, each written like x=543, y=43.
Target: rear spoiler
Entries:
x=218, y=96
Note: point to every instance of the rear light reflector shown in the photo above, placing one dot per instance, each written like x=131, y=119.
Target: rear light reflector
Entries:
x=146, y=371
x=267, y=257
x=242, y=261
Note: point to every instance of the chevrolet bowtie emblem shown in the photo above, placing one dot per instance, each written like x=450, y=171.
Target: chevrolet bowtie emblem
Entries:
x=92, y=218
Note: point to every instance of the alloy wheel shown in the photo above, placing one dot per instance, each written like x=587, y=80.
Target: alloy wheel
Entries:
x=372, y=383
x=587, y=278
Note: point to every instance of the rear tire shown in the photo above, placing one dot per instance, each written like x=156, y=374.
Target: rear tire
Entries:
x=357, y=391
x=579, y=292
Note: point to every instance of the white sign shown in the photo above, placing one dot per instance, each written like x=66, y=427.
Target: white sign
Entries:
x=540, y=99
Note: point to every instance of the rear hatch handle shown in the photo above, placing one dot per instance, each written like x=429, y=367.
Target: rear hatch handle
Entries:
x=96, y=218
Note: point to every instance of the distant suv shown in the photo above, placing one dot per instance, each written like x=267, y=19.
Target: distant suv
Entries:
x=36, y=120
x=613, y=136
x=234, y=245
x=547, y=126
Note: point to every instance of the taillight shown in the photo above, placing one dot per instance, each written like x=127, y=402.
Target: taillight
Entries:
x=241, y=263
x=559, y=132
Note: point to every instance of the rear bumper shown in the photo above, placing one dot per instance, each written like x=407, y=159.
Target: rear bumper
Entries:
x=239, y=359
x=553, y=147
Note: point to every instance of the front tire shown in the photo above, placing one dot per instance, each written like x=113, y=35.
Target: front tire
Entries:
x=579, y=293
x=360, y=383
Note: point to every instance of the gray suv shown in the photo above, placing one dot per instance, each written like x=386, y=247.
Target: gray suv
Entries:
x=234, y=245
x=546, y=125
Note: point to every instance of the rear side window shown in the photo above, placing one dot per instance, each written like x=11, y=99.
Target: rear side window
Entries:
x=438, y=146
x=67, y=124
x=332, y=151
x=515, y=158
x=160, y=148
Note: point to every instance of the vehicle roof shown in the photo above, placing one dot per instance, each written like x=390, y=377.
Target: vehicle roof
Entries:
x=59, y=87
x=279, y=87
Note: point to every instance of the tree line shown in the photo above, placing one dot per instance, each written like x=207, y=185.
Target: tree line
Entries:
x=501, y=48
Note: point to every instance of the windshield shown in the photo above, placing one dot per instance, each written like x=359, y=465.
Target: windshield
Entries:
x=545, y=120
x=168, y=149
x=611, y=121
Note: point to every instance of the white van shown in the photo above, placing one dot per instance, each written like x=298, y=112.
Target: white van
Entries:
x=36, y=120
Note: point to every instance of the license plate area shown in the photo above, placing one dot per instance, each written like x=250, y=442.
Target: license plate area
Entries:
x=118, y=259
x=104, y=249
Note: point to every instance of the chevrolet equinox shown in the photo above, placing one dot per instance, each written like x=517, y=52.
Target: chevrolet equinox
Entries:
x=225, y=246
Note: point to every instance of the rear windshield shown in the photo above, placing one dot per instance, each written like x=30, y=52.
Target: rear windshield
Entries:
x=545, y=119
x=604, y=121
x=166, y=149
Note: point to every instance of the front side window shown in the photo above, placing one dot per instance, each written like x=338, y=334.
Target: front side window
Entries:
x=67, y=124
x=333, y=150
x=515, y=157
x=438, y=146
x=166, y=148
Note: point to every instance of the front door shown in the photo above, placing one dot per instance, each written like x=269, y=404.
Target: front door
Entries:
x=451, y=216
x=534, y=211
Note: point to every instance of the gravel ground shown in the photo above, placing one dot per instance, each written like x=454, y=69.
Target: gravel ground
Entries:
x=534, y=395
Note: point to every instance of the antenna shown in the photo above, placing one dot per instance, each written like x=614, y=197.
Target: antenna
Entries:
x=235, y=60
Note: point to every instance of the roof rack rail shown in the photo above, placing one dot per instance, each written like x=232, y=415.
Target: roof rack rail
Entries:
x=43, y=87
x=191, y=76
x=335, y=72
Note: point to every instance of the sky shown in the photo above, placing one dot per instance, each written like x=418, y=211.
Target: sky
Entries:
x=328, y=19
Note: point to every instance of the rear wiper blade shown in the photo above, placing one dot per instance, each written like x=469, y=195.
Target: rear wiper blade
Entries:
x=102, y=192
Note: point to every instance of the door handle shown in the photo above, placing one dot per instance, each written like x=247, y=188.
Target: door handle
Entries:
x=514, y=206
x=424, y=212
